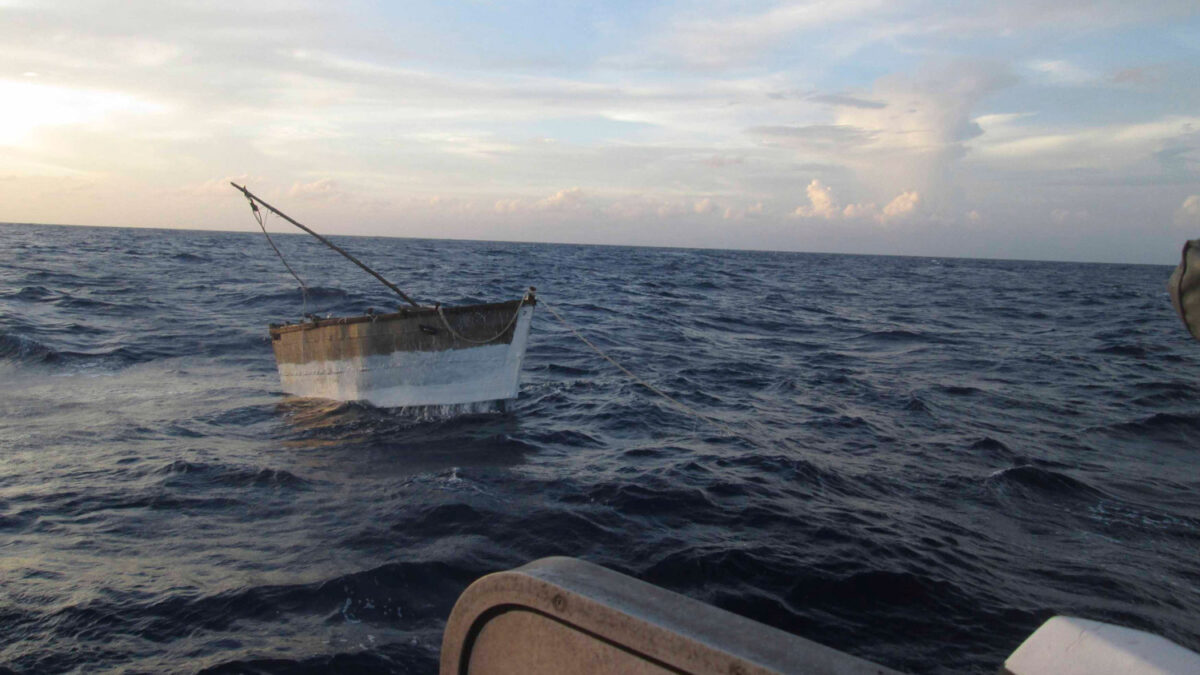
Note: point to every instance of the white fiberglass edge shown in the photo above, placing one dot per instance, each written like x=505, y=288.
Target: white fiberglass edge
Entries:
x=1067, y=645
x=403, y=379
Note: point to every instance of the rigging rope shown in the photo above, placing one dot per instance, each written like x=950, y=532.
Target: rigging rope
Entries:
x=678, y=405
x=481, y=342
x=260, y=217
x=253, y=199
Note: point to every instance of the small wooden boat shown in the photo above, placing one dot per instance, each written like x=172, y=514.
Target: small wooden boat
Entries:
x=414, y=357
x=417, y=356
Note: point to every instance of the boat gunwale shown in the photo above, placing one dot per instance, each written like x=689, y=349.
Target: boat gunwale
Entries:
x=403, y=314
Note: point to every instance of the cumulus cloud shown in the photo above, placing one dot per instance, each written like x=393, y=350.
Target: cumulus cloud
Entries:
x=220, y=187
x=1188, y=213
x=509, y=205
x=639, y=206
x=853, y=211
x=563, y=200
x=325, y=189
x=904, y=203
x=568, y=199
x=930, y=113
x=823, y=205
x=908, y=144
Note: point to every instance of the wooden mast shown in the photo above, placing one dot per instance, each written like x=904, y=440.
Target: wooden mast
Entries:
x=254, y=198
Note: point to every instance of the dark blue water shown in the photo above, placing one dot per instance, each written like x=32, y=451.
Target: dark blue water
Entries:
x=933, y=455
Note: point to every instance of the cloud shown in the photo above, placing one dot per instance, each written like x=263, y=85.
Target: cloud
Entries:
x=322, y=189
x=1166, y=149
x=704, y=206
x=220, y=187
x=1063, y=72
x=735, y=39
x=916, y=140
x=509, y=206
x=721, y=39
x=33, y=107
x=1063, y=216
x=865, y=96
x=721, y=161
x=853, y=211
x=830, y=99
x=1140, y=75
x=1078, y=16
x=931, y=112
x=570, y=199
x=1188, y=213
x=903, y=204
x=847, y=100
x=821, y=204
x=816, y=137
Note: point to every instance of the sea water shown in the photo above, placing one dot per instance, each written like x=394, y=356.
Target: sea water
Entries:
x=916, y=460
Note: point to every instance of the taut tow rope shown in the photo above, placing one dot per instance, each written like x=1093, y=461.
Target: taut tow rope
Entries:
x=678, y=405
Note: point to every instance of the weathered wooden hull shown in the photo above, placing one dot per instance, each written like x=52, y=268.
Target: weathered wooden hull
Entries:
x=415, y=357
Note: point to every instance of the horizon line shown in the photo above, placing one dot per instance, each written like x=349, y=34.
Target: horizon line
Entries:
x=571, y=243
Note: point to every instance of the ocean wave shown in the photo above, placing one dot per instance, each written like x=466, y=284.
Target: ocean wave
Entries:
x=875, y=587
x=394, y=594
x=404, y=657
x=32, y=294
x=1134, y=351
x=1044, y=483
x=191, y=257
x=959, y=390
x=74, y=504
x=124, y=310
x=1164, y=392
x=899, y=336
x=21, y=350
x=230, y=476
x=292, y=295
x=1157, y=425
x=991, y=446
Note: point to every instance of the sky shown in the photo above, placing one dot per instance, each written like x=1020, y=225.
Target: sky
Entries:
x=1061, y=130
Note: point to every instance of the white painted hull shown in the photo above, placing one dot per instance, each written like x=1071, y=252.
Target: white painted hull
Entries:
x=473, y=374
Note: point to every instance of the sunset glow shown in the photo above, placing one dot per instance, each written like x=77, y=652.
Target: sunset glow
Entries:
x=928, y=128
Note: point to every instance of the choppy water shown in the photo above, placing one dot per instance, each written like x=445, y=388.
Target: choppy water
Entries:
x=933, y=455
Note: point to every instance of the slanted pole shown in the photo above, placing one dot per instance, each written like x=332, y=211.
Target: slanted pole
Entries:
x=254, y=198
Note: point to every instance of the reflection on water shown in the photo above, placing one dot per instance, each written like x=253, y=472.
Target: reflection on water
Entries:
x=399, y=441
